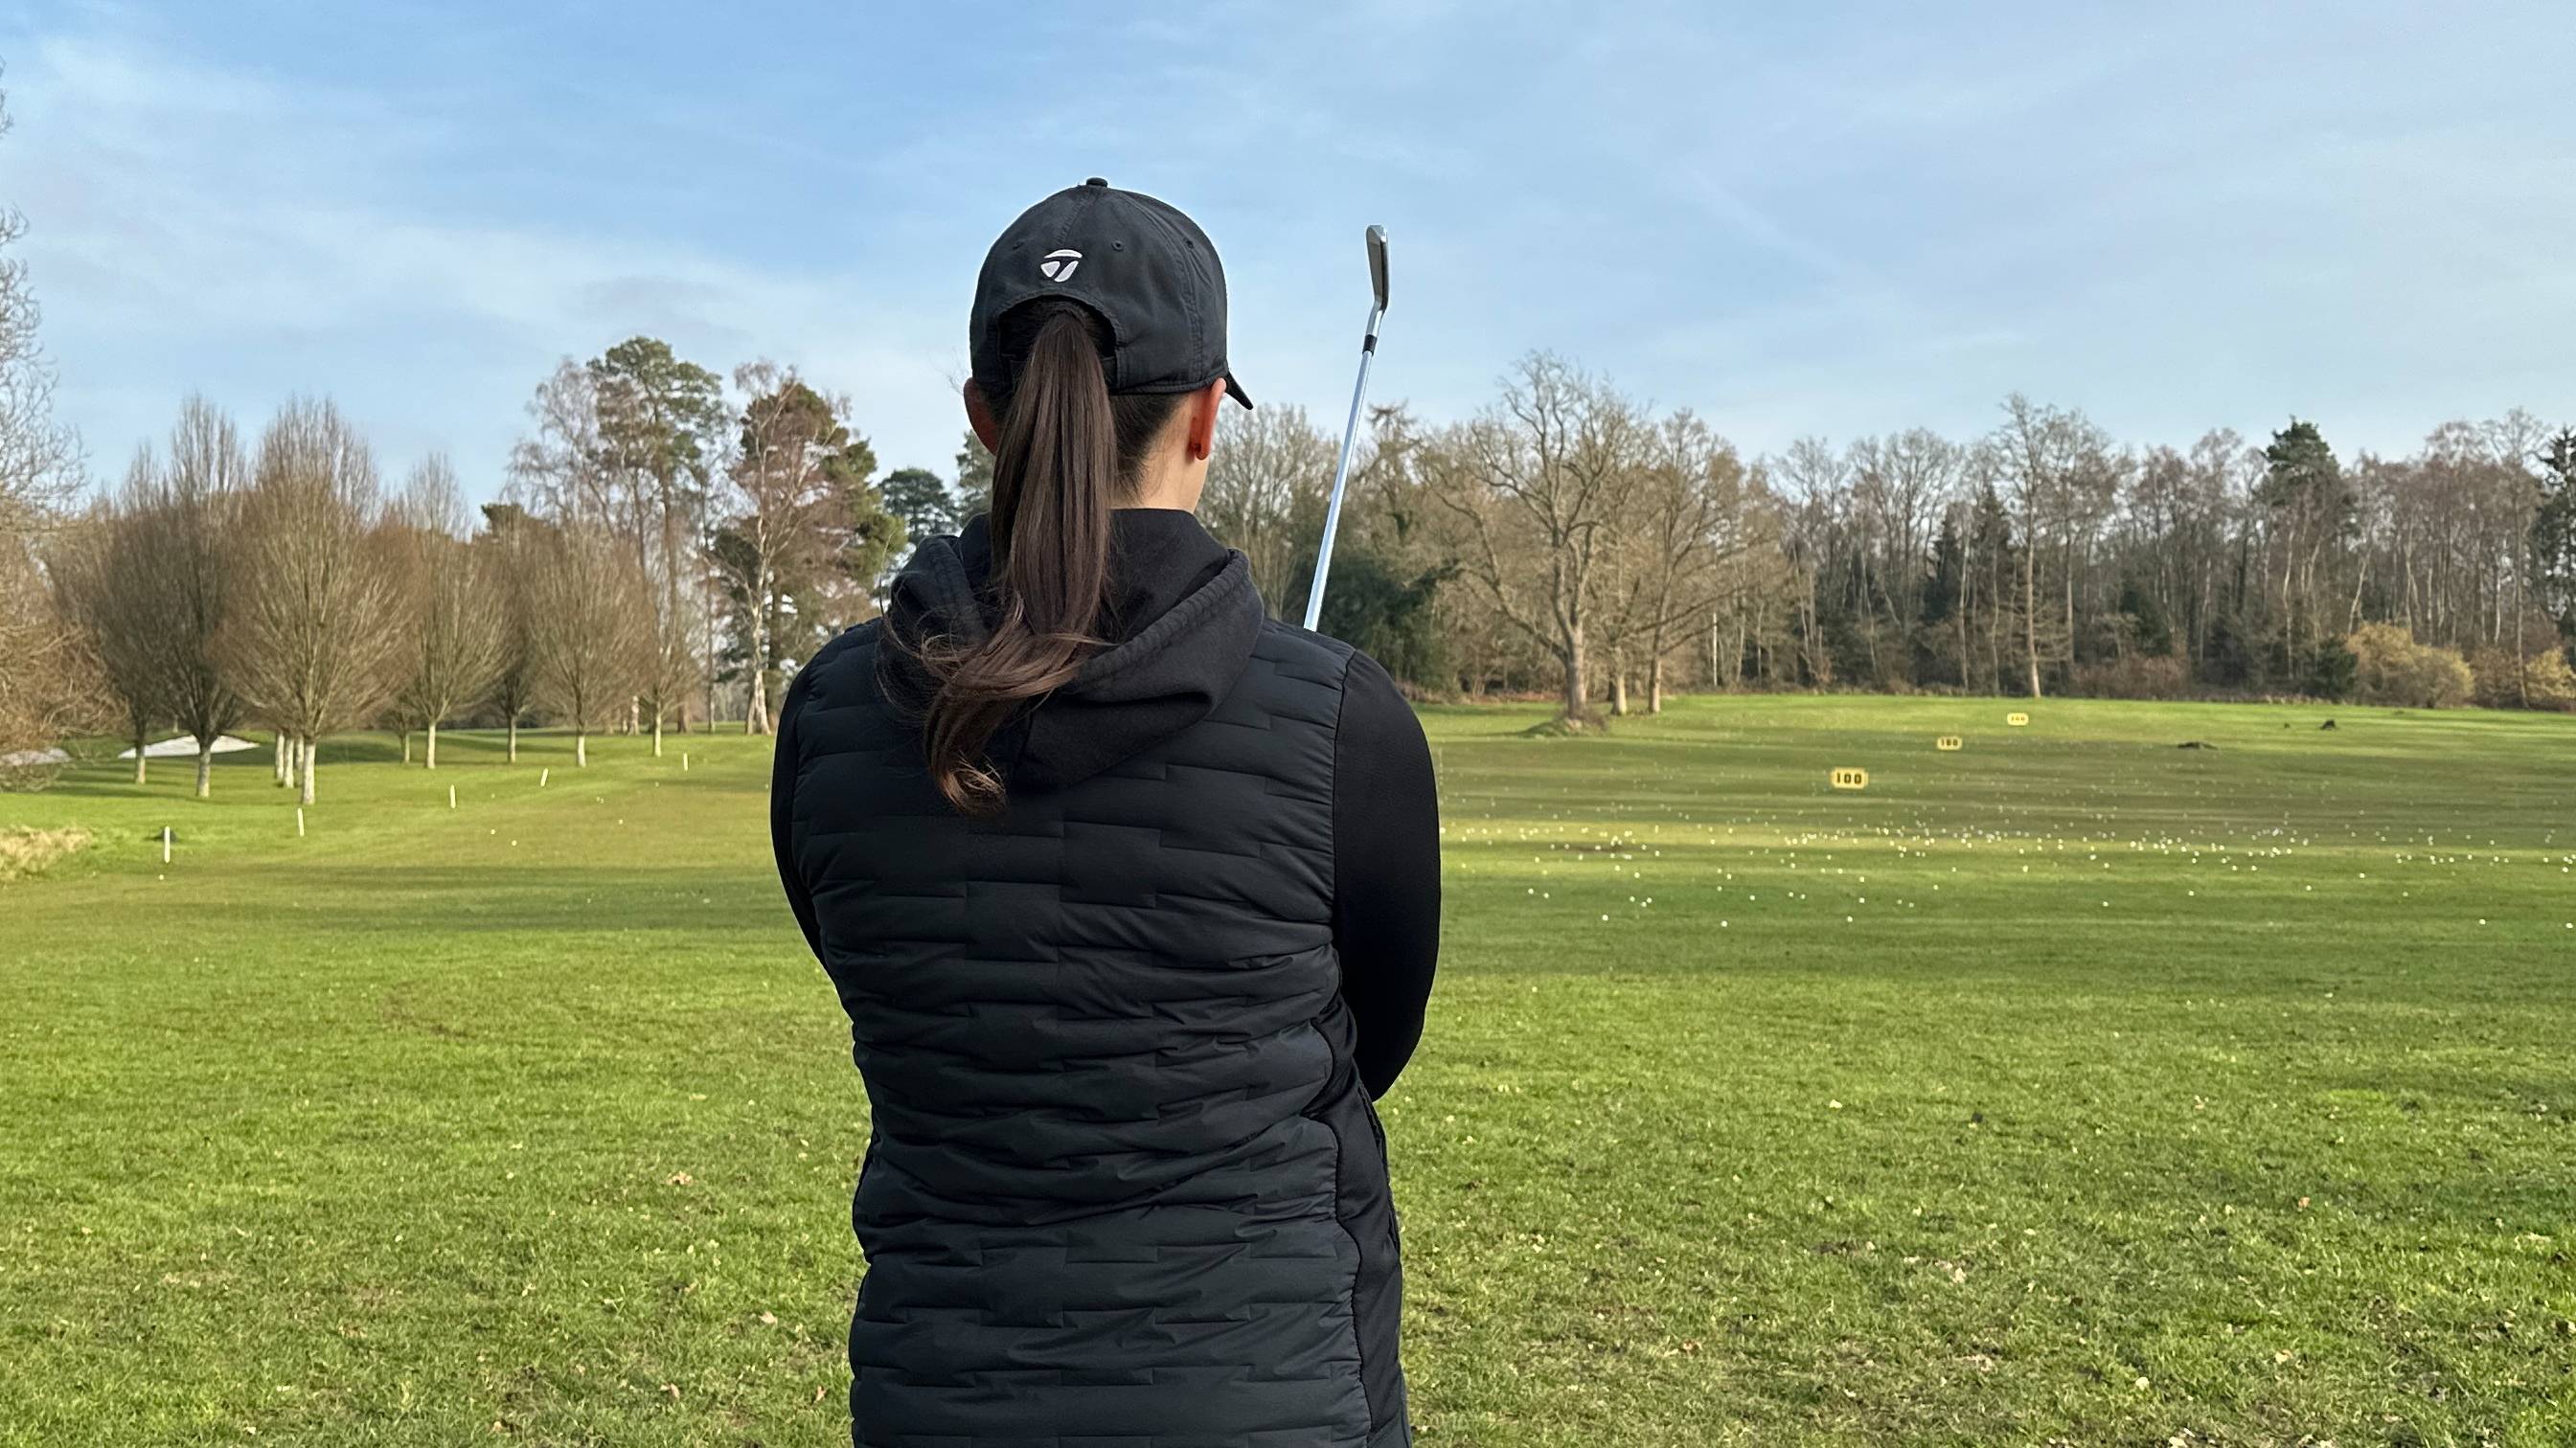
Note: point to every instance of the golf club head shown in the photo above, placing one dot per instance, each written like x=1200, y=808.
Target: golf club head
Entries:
x=1377, y=263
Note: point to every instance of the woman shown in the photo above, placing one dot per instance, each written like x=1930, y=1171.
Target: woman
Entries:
x=1132, y=895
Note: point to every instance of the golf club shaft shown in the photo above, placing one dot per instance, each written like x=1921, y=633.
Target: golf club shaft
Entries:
x=1342, y=473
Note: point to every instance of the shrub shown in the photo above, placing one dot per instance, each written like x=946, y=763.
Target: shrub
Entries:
x=2553, y=681
x=2496, y=676
x=2138, y=676
x=2390, y=667
x=2503, y=679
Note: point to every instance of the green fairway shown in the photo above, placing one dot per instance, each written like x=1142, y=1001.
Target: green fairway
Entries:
x=2072, y=1087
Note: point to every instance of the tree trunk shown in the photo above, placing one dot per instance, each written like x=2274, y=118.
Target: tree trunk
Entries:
x=657, y=734
x=294, y=761
x=139, y=758
x=2030, y=612
x=429, y=750
x=1967, y=650
x=514, y=738
x=281, y=759
x=406, y=743
x=581, y=749
x=1619, y=682
x=205, y=768
x=755, y=713
x=1573, y=659
x=311, y=753
x=710, y=601
x=2521, y=660
x=2071, y=652
x=1655, y=685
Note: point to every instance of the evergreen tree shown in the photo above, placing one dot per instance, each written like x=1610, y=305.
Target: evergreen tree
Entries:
x=923, y=502
x=974, y=477
x=2553, y=535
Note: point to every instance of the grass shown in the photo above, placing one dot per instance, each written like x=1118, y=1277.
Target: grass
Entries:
x=2071, y=1088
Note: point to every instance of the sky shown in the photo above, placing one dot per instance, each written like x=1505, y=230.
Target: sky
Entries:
x=1828, y=219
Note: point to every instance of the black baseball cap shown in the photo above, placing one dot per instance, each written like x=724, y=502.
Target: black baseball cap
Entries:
x=1149, y=272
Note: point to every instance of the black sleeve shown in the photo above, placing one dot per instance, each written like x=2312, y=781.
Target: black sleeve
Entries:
x=1386, y=870
x=782, y=817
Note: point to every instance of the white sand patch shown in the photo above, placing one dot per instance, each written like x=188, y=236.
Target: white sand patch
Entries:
x=183, y=747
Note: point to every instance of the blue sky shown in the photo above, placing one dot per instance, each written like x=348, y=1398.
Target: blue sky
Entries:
x=1827, y=218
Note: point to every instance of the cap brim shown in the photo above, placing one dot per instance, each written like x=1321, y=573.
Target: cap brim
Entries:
x=1235, y=390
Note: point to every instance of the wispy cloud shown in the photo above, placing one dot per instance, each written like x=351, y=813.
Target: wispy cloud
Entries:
x=1841, y=218
x=201, y=228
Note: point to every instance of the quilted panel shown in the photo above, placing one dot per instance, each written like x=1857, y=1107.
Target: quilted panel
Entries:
x=1121, y=1189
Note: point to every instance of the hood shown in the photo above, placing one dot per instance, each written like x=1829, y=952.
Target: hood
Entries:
x=1183, y=619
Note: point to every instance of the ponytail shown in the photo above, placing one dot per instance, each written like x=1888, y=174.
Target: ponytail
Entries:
x=1067, y=454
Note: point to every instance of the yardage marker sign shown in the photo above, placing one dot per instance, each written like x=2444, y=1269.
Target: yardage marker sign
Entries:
x=1851, y=779
x=1949, y=743
x=2017, y=720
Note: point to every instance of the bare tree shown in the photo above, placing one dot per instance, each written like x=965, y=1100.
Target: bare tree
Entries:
x=104, y=578
x=1537, y=484
x=1266, y=488
x=515, y=547
x=39, y=459
x=184, y=525
x=49, y=684
x=451, y=635
x=1816, y=487
x=1685, y=521
x=313, y=635
x=1901, y=484
x=153, y=590
x=2056, y=464
x=47, y=679
x=588, y=630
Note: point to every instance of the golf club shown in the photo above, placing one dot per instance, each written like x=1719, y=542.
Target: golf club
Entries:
x=1350, y=429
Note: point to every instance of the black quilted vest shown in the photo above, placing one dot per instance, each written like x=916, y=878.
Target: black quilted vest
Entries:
x=1123, y=1189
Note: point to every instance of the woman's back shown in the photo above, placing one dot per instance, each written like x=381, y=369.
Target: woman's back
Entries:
x=1125, y=1182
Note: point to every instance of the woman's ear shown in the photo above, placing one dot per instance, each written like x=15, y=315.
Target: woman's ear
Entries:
x=979, y=416
x=1204, y=405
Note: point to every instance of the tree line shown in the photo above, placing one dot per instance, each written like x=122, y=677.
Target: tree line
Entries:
x=1571, y=541
x=660, y=542
x=668, y=544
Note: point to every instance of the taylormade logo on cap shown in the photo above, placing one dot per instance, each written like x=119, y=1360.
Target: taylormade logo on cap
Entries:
x=1154, y=282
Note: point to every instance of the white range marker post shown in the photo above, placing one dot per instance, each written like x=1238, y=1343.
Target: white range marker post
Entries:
x=165, y=844
x=541, y=777
x=451, y=796
x=299, y=821
x=684, y=761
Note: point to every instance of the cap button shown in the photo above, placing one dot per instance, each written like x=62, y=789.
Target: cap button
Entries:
x=1095, y=181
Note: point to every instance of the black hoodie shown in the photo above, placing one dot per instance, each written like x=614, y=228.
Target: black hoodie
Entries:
x=1182, y=622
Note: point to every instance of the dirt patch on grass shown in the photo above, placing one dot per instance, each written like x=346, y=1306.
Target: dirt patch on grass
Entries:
x=27, y=851
x=1568, y=727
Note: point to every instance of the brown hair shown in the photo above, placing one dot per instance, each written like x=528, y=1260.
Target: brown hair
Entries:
x=1068, y=452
